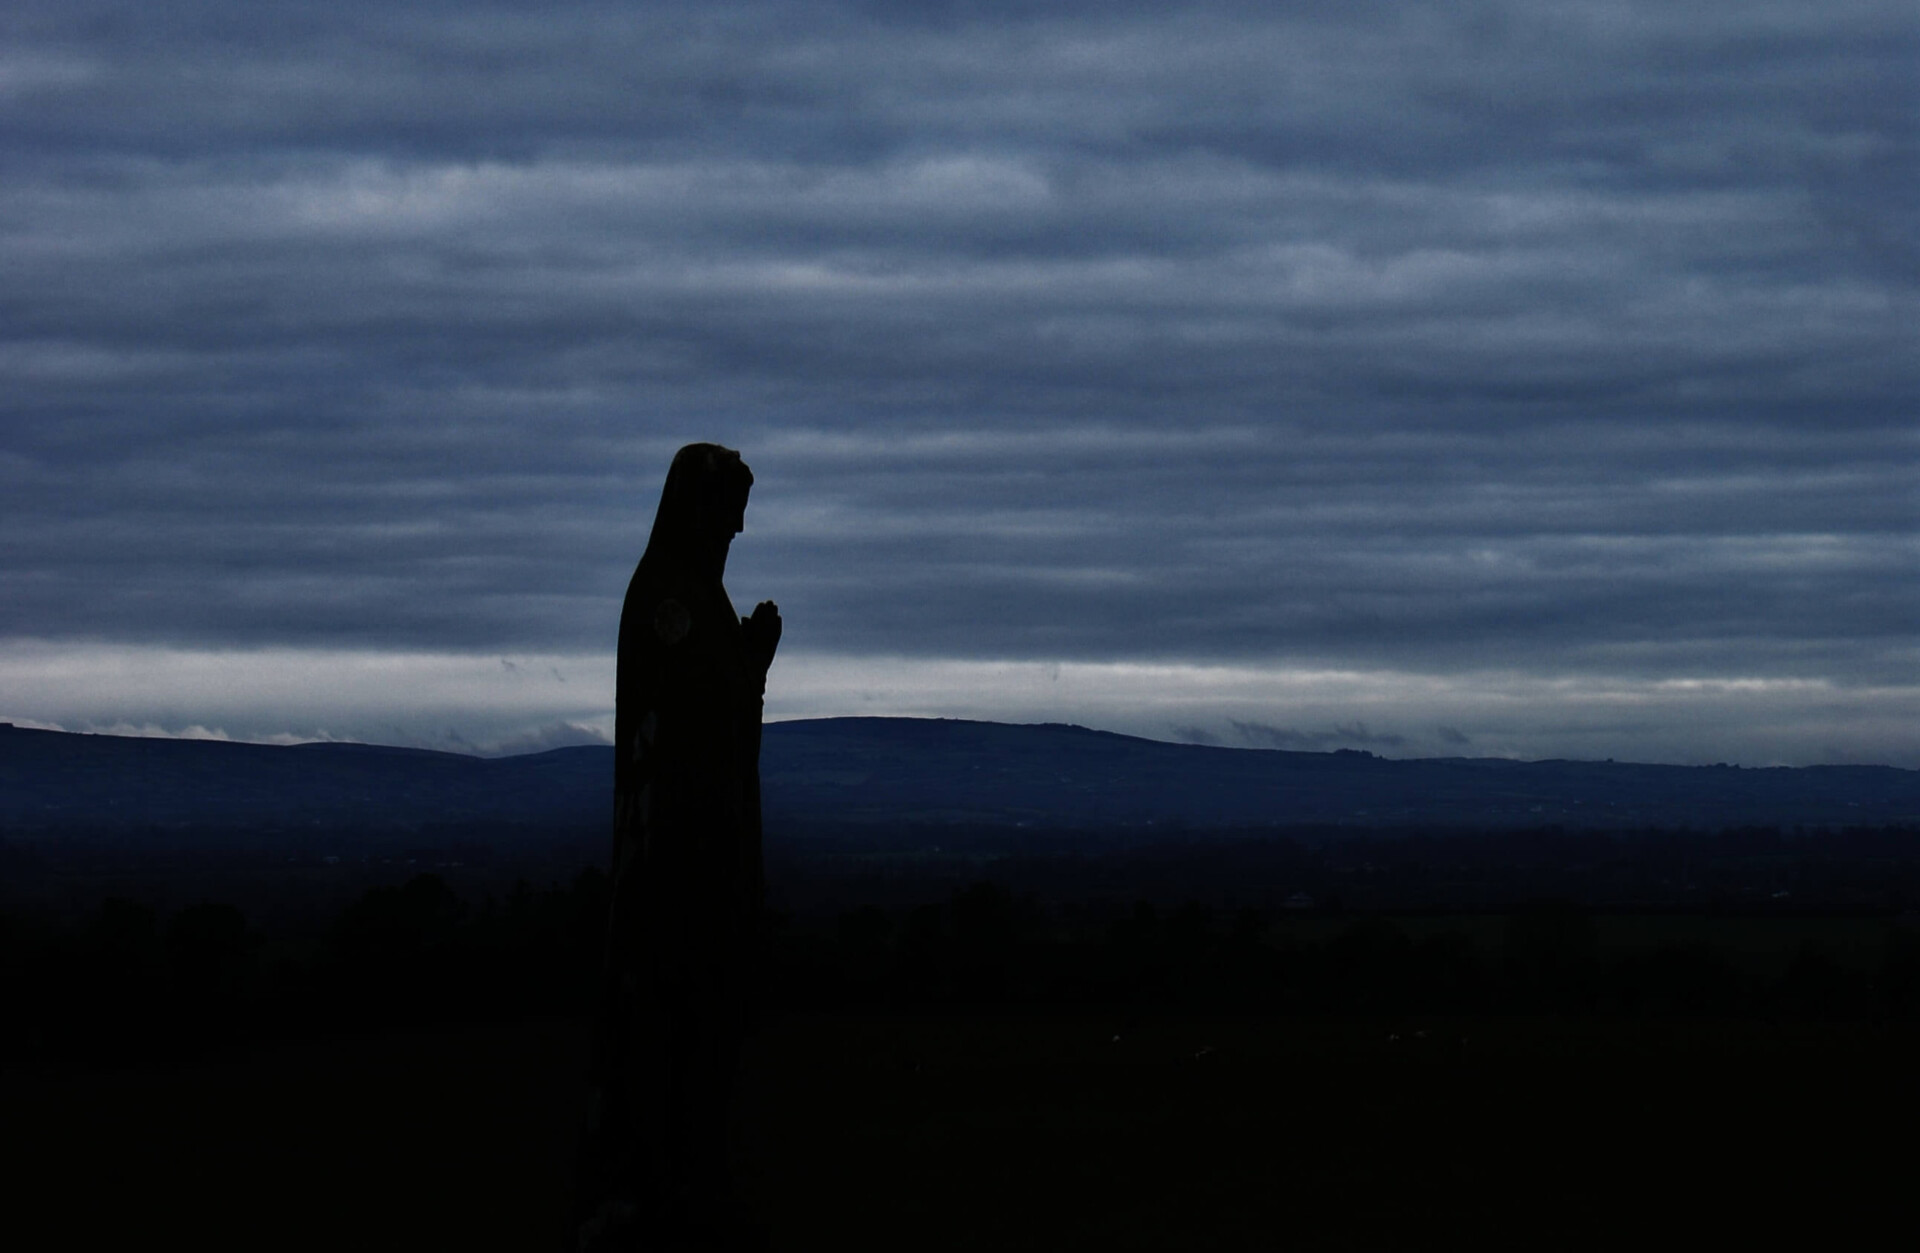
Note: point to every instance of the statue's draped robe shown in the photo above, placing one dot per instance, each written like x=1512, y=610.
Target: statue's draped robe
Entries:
x=682, y=936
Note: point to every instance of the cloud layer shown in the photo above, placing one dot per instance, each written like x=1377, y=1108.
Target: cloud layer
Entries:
x=1567, y=342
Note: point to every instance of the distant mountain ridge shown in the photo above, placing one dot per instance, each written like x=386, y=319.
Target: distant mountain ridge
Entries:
x=870, y=770
x=867, y=771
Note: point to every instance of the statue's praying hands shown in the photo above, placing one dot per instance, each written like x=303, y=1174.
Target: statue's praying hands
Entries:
x=761, y=635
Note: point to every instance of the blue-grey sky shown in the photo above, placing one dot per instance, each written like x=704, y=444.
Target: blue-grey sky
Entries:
x=1531, y=379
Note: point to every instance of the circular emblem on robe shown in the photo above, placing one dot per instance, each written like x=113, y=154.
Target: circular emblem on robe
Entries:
x=671, y=621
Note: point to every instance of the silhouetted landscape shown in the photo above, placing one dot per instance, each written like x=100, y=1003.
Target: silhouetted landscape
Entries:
x=900, y=811
x=990, y=945
x=1476, y=441
x=862, y=772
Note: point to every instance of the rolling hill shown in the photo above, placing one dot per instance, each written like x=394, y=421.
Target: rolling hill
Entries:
x=863, y=772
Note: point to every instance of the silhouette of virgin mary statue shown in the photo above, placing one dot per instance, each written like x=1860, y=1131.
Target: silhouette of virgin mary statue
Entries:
x=682, y=936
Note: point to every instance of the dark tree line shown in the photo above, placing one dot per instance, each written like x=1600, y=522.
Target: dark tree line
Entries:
x=128, y=985
x=986, y=946
x=1375, y=870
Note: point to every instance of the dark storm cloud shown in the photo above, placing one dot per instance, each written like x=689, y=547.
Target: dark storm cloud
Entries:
x=1550, y=337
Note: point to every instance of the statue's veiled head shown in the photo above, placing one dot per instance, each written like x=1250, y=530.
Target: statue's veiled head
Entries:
x=702, y=507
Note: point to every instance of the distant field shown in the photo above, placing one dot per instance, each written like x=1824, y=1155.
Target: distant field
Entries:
x=1041, y=1131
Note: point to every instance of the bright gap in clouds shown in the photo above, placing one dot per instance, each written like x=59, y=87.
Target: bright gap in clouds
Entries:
x=526, y=703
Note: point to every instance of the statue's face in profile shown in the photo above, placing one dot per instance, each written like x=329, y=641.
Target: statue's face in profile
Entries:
x=727, y=510
x=705, y=500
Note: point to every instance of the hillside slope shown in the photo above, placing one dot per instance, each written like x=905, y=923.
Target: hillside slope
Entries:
x=902, y=770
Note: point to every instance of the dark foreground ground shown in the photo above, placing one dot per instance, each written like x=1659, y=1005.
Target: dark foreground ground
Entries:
x=1028, y=1130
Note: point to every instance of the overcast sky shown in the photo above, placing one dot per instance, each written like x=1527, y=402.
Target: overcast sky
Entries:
x=1533, y=379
